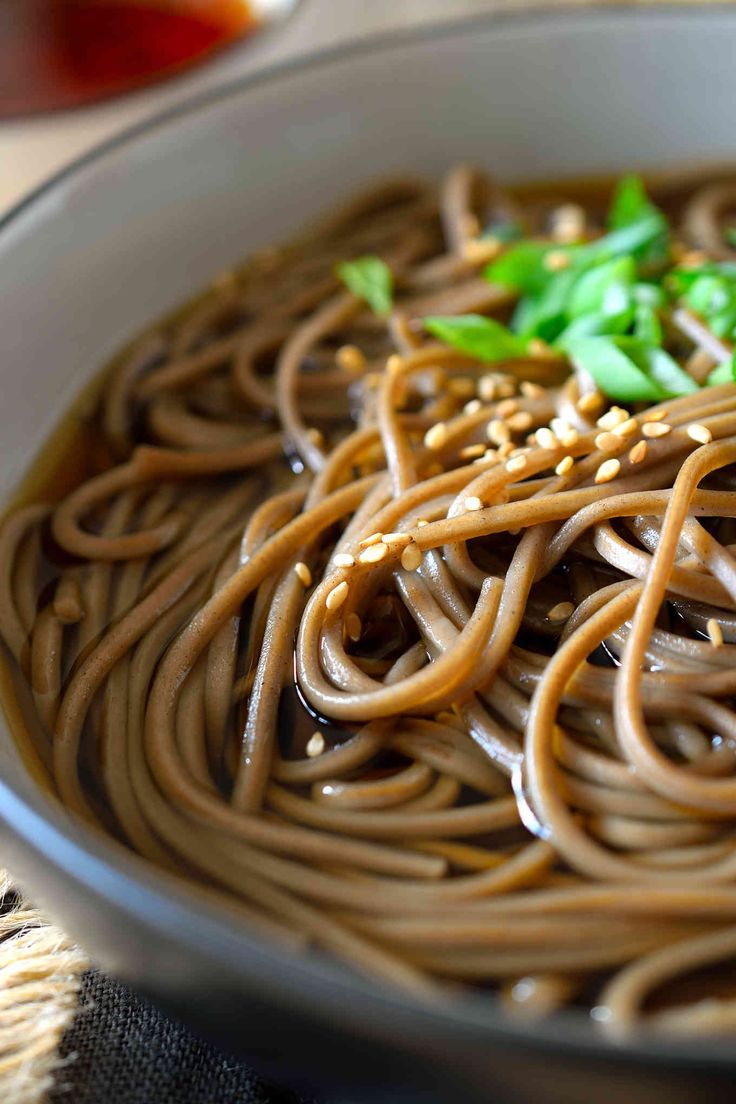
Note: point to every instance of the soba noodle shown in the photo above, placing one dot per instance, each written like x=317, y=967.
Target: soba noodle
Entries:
x=422, y=657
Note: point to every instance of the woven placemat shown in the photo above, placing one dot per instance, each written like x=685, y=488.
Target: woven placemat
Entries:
x=69, y=1035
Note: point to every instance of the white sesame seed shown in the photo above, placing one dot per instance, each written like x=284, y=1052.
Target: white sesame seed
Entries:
x=472, y=452
x=560, y=426
x=337, y=596
x=481, y=250
x=625, y=429
x=516, y=464
x=343, y=559
x=472, y=502
x=546, y=438
x=436, y=437
x=607, y=442
x=715, y=632
x=565, y=465
x=557, y=260
x=540, y=349
x=411, y=557
x=353, y=627
x=608, y=470
x=656, y=429
x=421, y=522
x=396, y=540
x=315, y=745
x=520, y=421
x=699, y=433
x=472, y=407
x=374, y=538
x=498, y=432
x=569, y=438
x=373, y=554
x=531, y=390
x=589, y=403
x=613, y=417
x=350, y=359
x=394, y=364
x=638, y=453
x=305, y=575
x=506, y=407
x=561, y=612
x=654, y=415
x=487, y=386
x=568, y=223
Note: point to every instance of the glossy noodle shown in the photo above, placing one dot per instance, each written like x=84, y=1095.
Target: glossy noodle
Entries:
x=415, y=640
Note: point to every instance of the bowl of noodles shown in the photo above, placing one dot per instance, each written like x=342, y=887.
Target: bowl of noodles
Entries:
x=367, y=572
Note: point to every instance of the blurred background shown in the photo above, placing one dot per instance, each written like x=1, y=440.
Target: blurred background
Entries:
x=73, y=72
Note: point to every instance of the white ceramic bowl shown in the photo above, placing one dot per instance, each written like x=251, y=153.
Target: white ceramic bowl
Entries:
x=138, y=226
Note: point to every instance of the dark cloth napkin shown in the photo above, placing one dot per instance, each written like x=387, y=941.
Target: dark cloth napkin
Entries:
x=122, y=1050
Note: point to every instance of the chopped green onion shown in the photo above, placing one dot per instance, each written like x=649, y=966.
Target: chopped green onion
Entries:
x=477, y=336
x=370, y=279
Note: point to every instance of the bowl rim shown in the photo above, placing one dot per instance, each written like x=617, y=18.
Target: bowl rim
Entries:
x=130, y=885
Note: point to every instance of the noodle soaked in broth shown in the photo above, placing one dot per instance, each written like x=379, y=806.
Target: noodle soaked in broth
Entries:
x=418, y=652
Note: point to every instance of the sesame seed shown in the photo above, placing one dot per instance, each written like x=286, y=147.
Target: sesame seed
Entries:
x=316, y=437
x=463, y=387
x=472, y=502
x=561, y=612
x=337, y=596
x=559, y=426
x=612, y=418
x=350, y=359
x=608, y=470
x=396, y=540
x=638, y=453
x=516, y=464
x=654, y=415
x=565, y=465
x=373, y=554
x=557, y=260
x=656, y=429
x=374, y=538
x=472, y=407
x=497, y=432
x=546, y=438
x=540, y=349
x=305, y=575
x=531, y=390
x=699, y=433
x=607, y=442
x=436, y=437
x=420, y=522
x=411, y=557
x=315, y=745
x=506, y=408
x=589, y=403
x=627, y=428
x=481, y=250
x=505, y=390
x=471, y=452
x=394, y=364
x=568, y=223
x=569, y=438
x=353, y=627
x=520, y=421
x=715, y=632
x=343, y=559
x=487, y=386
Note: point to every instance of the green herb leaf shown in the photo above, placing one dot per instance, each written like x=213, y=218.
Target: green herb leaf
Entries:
x=630, y=202
x=647, y=326
x=627, y=369
x=523, y=268
x=370, y=279
x=605, y=289
x=723, y=373
x=477, y=336
x=613, y=371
